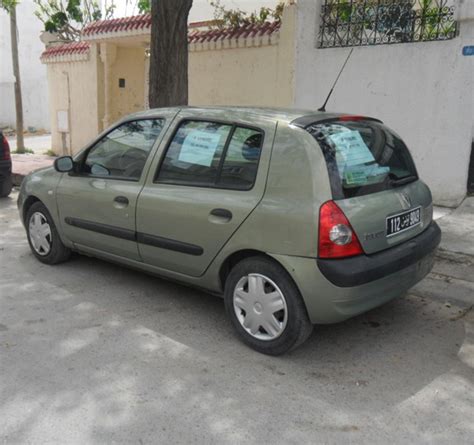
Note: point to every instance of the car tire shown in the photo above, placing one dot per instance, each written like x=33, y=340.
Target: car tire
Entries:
x=6, y=187
x=273, y=289
x=43, y=236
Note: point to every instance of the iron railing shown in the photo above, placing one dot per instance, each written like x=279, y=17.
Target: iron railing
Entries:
x=377, y=22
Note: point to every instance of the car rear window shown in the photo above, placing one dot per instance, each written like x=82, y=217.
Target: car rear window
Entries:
x=363, y=156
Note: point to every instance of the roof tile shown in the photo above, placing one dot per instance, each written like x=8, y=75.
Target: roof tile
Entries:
x=66, y=49
x=143, y=22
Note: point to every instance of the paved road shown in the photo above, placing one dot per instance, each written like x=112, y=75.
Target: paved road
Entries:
x=93, y=353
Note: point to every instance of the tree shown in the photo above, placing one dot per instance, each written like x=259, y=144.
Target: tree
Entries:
x=67, y=18
x=10, y=7
x=169, y=53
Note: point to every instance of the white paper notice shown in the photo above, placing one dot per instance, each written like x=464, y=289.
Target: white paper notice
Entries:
x=199, y=147
x=351, y=149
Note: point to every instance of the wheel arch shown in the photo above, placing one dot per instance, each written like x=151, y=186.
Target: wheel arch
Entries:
x=238, y=256
x=27, y=205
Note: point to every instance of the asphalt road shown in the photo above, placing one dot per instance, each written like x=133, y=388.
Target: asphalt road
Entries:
x=94, y=353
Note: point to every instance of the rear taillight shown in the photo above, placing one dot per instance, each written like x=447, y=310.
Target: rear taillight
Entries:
x=6, y=149
x=337, y=239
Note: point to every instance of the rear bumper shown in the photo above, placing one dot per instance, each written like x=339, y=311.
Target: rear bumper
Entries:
x=327, y=302
x=5, y=170
x=363, y=269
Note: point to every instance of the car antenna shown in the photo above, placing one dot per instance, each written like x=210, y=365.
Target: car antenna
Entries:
x=323, y=108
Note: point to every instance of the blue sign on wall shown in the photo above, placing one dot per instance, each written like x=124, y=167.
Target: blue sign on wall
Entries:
x=468, y=51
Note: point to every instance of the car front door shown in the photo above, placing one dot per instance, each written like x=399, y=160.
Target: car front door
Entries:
x=209, y=177
x=97, y=203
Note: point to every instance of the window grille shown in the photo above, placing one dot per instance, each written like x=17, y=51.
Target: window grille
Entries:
x=377, y=22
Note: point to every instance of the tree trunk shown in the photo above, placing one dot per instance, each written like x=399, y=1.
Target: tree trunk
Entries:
x=169, y=53
x=20, y=146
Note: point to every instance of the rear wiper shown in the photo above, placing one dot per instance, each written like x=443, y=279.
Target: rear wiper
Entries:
x=396, y=182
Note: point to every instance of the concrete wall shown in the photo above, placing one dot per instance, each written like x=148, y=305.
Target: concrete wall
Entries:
x=33, y=73
x=261, y=75
x=73, y=87
x=129, y=65
x=254, y=71
x=425, y=91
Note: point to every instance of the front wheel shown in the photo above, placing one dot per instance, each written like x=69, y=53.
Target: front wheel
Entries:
x=265, y=306
x=43, y=236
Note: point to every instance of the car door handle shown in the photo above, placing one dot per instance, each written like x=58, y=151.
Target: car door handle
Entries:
x=121, y=200
x=220, y=215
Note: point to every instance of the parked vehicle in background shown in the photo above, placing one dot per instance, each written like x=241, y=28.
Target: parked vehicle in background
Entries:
x=5, y=167
x=296, y=218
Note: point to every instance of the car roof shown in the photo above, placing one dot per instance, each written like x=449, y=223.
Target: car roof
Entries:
x=298, y=117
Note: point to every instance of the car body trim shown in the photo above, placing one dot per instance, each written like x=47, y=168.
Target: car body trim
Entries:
x=167, y=243
x=131, y=235
x=105, y=229
x=362, y=269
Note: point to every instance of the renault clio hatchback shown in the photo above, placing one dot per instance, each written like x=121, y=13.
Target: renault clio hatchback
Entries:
x=294, y=217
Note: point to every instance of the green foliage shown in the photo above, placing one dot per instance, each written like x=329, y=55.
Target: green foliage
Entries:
x=50, y=152
x=235, y=18
x=144, y=6
x=8, y=5
x=27, y=151
x=66, y=18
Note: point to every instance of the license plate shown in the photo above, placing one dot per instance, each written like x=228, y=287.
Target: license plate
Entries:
x=403, y=221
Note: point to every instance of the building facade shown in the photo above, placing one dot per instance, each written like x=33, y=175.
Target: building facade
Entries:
x=409, y=68
x=97, y=81
x=423, y=89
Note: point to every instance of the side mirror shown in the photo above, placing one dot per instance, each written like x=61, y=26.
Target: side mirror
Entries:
x=64, y=164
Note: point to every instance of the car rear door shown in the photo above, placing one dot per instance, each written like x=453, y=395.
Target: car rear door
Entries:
x=374, y=181
x=207, y=179
x=97, y=203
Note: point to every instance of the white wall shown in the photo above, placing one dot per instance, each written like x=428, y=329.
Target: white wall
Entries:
x=424, y=91
x=32, y=72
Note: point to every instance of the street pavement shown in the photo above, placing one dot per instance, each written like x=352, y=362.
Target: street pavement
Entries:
x=93, y=353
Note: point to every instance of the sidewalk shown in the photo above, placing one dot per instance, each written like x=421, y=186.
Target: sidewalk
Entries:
x=454, y=259
x=39, y=143
x=25, y=164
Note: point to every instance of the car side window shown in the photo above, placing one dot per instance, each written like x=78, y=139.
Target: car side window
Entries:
x=193, y=157
x=122, y=153
x=211, y=154
x=239, y=169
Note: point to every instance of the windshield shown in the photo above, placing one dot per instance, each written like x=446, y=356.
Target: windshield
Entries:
x=363, y=157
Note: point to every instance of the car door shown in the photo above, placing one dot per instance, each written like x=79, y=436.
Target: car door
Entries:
x=209, y=177
x=97, y=203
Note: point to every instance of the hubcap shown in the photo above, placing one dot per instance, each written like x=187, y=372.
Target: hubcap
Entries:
x=40, y=233
x=260, y=307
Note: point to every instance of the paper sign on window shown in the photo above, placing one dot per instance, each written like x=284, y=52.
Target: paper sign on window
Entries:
x=199, y=147
x=351, y=149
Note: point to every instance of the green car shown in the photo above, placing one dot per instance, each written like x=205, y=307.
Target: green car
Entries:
x=294, y=217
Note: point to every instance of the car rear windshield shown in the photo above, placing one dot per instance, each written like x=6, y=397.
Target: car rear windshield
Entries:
x=363, y=156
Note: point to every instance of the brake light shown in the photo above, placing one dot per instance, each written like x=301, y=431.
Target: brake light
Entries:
x=351, y=118
x=6, y=149
x=337, y=239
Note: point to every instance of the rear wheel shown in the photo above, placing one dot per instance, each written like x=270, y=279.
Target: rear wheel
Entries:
x=6, y=187
x=43, y=236
x=265, y=306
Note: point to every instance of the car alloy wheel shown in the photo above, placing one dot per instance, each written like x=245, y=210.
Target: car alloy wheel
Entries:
x=40, y=234
x=260, y=307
